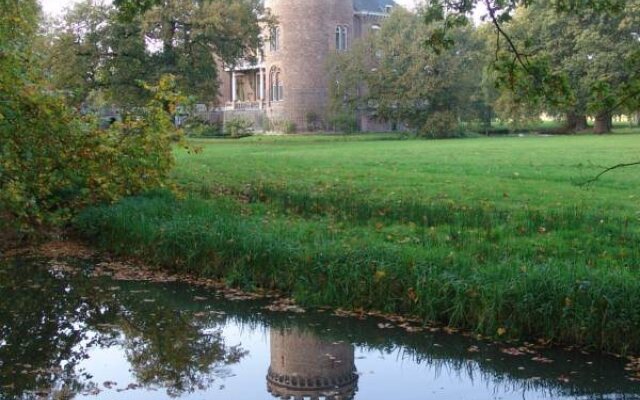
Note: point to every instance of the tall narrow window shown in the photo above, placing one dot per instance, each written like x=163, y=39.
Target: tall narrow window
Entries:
x=277, y=87
x=275, y=38
x=341, y=37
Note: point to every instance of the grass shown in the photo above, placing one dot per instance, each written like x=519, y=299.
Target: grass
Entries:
x=489, y=234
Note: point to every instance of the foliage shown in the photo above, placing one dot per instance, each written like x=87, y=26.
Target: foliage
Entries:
x=574, y=49
x=313, y=121
x=289, y=127
x=283, y=125
x=90, y=53
x=556, y=53
x=53, y=162
x=99, y=47
x=344, y=121
x=204, y=130
x=443, y=124
x=238, y=128
x=391, y=75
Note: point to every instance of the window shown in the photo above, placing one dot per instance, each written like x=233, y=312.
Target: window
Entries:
x=277, y=88
x=275, y=38
x=341, y=38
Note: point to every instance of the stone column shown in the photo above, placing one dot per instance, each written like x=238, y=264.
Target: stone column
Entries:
x=261, y=90
x=233, y=87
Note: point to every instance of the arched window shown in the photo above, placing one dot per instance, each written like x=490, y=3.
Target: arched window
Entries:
x=277, y=87
x=275, y=38
x=341, y=37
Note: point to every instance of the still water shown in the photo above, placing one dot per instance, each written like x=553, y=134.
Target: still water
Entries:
x=65, y=335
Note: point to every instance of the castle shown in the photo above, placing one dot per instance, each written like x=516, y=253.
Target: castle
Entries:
x=289, y=81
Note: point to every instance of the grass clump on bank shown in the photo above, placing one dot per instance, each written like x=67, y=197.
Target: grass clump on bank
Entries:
x=561, y=265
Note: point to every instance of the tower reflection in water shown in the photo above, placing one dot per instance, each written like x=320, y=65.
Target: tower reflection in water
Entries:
x=303, y=366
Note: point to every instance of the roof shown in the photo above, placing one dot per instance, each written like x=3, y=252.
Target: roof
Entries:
x=373, y=5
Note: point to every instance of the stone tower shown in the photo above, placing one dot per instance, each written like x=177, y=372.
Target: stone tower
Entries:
x=296, y=58
x=304, y=366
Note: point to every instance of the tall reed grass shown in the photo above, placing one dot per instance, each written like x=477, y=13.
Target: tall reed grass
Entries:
x=568, y=275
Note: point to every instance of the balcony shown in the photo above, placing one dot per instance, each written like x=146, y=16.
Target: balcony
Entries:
x=243, y=105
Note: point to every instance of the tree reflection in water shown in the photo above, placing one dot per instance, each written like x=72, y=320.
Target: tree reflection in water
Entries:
x=49, y=323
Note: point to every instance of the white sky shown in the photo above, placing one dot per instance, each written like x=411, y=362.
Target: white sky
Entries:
x=55, y=7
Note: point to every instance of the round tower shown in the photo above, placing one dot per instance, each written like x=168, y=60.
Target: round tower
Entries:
x=296, y=57
x=303, y=366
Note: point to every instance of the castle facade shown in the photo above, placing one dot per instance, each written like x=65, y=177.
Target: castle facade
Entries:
x=290, y=80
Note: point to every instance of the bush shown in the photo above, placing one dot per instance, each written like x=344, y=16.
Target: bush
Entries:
x=204, y=130
x=313, y=121
x=344, y=122
x=284, y=126
x=289, y=127
x=238, y=128
x=53, y=162
x=441, y=125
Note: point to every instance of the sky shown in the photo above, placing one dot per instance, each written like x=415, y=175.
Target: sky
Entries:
x=55, y=7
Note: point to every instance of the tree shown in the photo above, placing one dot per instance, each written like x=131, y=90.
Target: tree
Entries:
x=91, y=51
x=394, y=76
x=98, y=48
x=53, y=161
x=534, y=76
x=584, y=51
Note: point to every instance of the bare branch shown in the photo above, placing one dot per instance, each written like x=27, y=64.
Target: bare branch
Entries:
x=609, y=169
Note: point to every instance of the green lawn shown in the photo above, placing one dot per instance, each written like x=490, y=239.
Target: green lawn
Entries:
x=490, y=234
x=539, y=172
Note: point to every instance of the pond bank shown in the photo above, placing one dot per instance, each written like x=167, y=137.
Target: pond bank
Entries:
x=524, y=296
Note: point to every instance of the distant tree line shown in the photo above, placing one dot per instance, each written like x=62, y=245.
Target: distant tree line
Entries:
x=433, y=70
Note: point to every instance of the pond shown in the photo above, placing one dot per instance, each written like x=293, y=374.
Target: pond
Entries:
x=69, y=335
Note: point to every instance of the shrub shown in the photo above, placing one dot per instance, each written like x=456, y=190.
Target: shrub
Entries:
x=238, y=128
x=441, y=125
x=53, y=162
x=313, y=120
x=344, y=122
x=204, y=130
x=288, y=127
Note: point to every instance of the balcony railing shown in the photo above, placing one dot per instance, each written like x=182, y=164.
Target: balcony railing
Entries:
x=244, y=105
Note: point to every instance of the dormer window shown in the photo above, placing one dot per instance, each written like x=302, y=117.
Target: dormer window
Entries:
x=388, y=8
x=341, y=37
x=275, y=38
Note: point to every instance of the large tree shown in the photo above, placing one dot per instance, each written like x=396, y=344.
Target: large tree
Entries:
x=580, y=30
x=98, y=47
x=392, y=75
x=92, y=51
x=595, y=55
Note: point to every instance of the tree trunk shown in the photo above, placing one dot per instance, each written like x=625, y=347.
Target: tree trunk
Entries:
x=570, y=122
x=638, y=118
x=603, y=123
x=575, y=122
x=581, y=123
